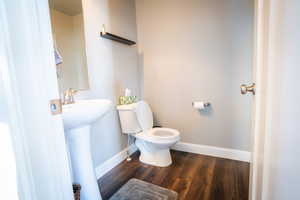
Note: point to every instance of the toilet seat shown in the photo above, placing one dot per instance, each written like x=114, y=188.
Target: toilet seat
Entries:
x=159, y=135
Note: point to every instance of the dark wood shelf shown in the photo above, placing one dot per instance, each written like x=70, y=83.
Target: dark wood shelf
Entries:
x=117, y=38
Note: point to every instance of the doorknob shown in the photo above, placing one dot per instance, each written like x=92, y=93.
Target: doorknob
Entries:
x=248, y=88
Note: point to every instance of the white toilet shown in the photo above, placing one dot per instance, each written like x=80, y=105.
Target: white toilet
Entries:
x=153, y=143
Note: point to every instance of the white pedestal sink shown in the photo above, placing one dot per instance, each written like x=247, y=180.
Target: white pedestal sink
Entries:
x=77, y=119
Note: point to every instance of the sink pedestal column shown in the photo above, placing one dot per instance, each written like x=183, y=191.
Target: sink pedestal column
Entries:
x=82, y=164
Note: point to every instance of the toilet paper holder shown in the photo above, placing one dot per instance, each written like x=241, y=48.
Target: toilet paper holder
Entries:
x=206, y=104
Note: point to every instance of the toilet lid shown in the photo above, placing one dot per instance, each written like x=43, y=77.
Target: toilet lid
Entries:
x=144, y=115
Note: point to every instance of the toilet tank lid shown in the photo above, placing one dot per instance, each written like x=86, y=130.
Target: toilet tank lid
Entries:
x=127, y=106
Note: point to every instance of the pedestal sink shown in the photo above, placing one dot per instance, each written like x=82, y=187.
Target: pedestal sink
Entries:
x=77, y=119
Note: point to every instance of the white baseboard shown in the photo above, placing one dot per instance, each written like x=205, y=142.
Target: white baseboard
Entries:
x=213, y=151
x=181, y=146
x=114, y=161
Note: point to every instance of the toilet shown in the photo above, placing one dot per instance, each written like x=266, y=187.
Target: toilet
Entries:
x=153, y=143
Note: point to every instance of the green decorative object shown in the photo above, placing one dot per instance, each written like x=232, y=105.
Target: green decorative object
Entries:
x=127, y=100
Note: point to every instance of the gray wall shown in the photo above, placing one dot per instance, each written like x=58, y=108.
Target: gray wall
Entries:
x=111, y=66
x=198, y=50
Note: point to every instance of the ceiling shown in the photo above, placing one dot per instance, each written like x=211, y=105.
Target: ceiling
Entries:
x=69, y=7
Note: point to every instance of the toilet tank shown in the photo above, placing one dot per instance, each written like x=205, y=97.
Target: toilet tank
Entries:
x=128, y=119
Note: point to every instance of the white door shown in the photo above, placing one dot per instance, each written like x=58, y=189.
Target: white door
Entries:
x=28, y=83
x=276, y=167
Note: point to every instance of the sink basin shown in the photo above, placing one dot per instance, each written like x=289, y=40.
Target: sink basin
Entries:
x=77, y=119
x=84, y=112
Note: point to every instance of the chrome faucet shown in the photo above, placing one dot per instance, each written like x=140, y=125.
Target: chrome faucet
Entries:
x=69, y=96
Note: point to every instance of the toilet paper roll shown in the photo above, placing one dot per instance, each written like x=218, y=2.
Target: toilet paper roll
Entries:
x=199, y=105
x=127, y=92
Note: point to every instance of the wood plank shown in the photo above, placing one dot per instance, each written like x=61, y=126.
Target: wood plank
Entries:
x=193, y=176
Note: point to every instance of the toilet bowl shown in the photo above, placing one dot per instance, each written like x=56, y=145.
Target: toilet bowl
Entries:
x=153, y=143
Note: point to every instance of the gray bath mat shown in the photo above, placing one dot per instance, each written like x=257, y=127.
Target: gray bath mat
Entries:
x=136, y=189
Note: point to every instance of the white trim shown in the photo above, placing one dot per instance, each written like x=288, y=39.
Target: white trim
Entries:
x=37, y=136
x=260, y=45
x=109, y=164
x=26, y=186
x=232, y=154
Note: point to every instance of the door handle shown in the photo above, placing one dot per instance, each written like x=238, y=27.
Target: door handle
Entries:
x=248, y=88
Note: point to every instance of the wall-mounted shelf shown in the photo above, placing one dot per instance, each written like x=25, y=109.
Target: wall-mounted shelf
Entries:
x=116, y=38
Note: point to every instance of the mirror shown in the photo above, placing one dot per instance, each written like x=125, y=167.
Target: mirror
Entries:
x=69, y=44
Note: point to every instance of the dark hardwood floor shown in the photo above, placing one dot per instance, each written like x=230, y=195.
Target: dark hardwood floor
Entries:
x=193, y=176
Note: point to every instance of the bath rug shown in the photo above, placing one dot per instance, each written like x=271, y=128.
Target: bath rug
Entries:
x=136, y=189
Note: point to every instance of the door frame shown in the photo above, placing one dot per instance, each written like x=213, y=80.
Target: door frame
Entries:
x=261, y=113
x=28, y=74
x=26, y=189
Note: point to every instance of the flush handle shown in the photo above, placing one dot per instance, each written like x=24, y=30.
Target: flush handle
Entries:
x=248, y=88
